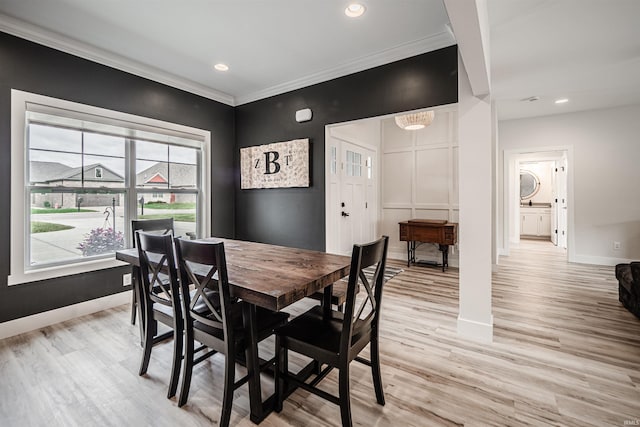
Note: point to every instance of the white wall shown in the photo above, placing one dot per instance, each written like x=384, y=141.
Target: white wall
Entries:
x=362, y=131
x=419, y=179
x=606, y=175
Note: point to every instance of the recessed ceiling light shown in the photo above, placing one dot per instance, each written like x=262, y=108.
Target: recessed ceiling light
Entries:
x=221, y=67
x=531, y=99
x=562, y=100
x=354, y=10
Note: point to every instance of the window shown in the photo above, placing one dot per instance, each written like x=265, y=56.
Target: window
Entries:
x=354, y=163
x=333, y=160
x=83, y=173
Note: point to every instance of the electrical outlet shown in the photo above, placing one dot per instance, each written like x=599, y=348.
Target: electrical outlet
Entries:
x=126, y=279
x=617, y=245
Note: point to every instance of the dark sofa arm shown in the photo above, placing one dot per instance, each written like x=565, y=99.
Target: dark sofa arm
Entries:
x=635, y=273
x=623, y=273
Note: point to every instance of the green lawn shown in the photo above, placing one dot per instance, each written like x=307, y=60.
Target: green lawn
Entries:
x=176, y=217
x=152, y=205
x=45, y=227
x=36, y=211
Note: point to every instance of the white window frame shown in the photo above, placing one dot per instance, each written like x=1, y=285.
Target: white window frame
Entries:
x=19, y=273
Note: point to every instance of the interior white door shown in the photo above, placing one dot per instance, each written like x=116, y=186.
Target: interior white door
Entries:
x=562, y=204
x=355, y=223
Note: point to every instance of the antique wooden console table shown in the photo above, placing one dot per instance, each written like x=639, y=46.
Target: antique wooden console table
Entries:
x=440, y=232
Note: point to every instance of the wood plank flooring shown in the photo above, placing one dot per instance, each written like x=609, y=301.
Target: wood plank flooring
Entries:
x=565, y=353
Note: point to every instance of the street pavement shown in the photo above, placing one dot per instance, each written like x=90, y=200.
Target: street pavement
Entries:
x=60, y=245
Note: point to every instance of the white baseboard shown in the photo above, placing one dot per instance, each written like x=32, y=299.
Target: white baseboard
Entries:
x=599, y=260
x=476, y=331
x=47, y=318
x=402, y=256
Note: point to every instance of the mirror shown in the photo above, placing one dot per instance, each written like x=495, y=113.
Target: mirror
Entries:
x=529, y=184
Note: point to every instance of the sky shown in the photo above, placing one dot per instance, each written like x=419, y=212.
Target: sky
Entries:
x=65, y=146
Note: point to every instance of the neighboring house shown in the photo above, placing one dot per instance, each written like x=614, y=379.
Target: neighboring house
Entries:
x=54, y=174
x=162, y=176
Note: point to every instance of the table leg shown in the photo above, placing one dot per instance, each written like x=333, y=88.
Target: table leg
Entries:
x=326, y=301
x=445, y=256
x=408, y=253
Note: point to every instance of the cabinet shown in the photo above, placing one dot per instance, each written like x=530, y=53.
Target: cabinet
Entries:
x=535, y=222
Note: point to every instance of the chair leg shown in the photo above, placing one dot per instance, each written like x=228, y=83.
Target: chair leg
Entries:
x=134, y=306
x=150, y=330
x=178, y=337
x=345, y=399
x=375, y=370
x=227, y=395
x=188, y=369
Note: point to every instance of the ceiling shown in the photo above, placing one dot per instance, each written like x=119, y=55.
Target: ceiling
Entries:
x=584, y=50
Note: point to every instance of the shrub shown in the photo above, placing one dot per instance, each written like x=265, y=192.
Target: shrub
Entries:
x=101, y=240
x=46, y=204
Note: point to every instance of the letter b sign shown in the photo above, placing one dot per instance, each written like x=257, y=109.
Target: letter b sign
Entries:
x=270, y=163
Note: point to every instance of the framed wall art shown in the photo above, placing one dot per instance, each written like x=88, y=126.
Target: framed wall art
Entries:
x=276, y=165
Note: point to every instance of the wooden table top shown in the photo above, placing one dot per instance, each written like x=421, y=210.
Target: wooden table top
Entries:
x=272, y=276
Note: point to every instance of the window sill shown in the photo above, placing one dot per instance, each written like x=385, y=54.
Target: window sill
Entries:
x=63, y=270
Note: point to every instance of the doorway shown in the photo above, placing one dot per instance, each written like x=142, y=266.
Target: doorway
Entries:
x=543, y=212
x=352, y=184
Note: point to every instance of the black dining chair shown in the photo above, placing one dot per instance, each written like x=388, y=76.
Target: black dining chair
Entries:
x=159, y=226
x=335, y=338
x=214, y=318
x=161, y=299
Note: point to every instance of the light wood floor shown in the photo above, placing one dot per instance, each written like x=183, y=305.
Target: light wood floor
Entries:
x=565, y=353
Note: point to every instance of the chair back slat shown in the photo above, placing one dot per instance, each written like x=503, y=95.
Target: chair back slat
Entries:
x=210, y=302
x=356, y=320
x=157, y=264
x=157, y=226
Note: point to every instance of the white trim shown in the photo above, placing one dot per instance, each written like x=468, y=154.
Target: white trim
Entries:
x=19, y=101
x=476, y=331
x=396, y=53
x=600, y=260
x=62, y=43
x=55, y=271
x=47, y=318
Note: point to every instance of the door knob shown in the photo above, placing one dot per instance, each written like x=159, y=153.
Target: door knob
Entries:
x=344, y=213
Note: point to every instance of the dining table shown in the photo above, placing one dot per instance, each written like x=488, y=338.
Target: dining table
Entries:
x=268, y=276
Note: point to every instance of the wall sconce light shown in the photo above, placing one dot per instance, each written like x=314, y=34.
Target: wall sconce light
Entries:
x=415, y=121
x=304, y=115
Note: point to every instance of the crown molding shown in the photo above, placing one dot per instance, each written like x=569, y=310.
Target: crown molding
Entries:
x=57, y=41
x=66, y=44
x=396, y=53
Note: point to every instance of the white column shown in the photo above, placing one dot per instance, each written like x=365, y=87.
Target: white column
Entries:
x=475, y=320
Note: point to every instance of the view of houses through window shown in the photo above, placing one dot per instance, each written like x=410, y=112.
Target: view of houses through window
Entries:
x=85, y=186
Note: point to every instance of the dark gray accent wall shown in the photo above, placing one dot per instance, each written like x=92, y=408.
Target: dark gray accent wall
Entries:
x=296, y=217
x=34, y=68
